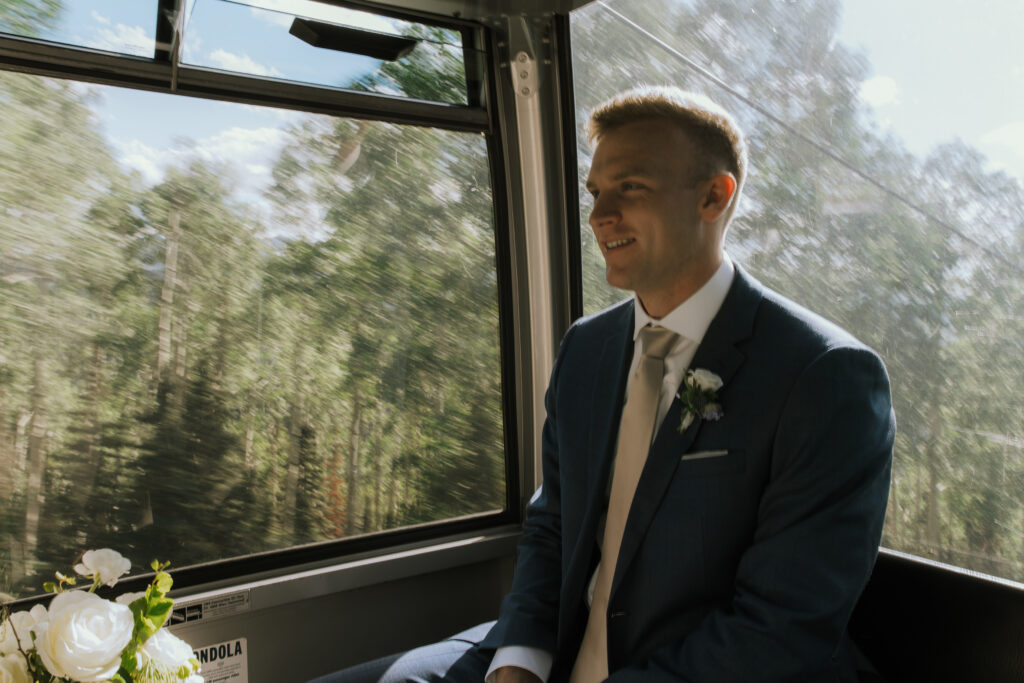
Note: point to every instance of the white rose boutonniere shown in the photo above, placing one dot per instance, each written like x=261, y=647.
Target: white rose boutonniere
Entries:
x=699, y=396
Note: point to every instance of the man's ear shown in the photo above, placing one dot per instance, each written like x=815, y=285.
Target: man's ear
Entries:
x=717, y=195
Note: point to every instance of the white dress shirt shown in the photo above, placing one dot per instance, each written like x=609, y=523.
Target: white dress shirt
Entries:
x=690, y=320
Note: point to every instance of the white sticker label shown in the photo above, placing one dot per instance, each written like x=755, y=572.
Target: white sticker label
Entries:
x=221, y=606
x=224, y=662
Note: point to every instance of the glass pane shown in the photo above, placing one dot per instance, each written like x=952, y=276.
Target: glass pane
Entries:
x=122, y=26
x=913, y=241
x=227, y=329
x=258, y=43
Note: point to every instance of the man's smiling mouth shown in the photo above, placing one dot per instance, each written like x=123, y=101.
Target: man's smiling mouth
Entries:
x=615, y=244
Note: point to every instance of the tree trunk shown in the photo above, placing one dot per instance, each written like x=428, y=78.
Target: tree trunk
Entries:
x=91, y=457
x=163, y=355
x=9, y=475
x=1020, y=576
x=250, y=435
x=8, y=460
x=221, y=345
x=180, y=344
x=391, y=506
x=354, y=508
x=34, y=494
x=335, y=495
x=291, y=477
x=932, y=526
x=273, y=476
x=379, y=453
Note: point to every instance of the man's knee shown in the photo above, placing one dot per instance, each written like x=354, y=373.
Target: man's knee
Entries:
x=453, y=660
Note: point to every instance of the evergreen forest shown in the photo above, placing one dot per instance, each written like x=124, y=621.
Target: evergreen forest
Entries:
x=186, y=377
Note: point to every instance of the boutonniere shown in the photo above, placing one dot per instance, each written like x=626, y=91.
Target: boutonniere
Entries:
x=699, y=396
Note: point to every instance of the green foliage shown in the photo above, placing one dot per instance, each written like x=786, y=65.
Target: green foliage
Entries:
x=28, y=17
x=432, y=71
x=61, y=583
x=216, y=386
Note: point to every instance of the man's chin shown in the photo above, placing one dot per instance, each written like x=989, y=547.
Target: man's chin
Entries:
x=618, y=280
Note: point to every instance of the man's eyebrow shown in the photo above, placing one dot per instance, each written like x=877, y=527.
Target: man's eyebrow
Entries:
x=629, y=172
x=633, y=171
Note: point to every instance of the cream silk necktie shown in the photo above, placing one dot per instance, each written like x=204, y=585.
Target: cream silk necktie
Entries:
x=635, y=434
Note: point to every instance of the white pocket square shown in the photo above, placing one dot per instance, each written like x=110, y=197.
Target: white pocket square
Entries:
x=699, y=455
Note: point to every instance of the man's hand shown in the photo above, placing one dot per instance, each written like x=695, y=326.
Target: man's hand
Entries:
x=513, y=674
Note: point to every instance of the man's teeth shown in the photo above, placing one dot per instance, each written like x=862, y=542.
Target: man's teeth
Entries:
x=617, y=243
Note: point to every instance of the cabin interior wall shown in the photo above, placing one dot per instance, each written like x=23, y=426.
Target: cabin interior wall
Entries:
x=301, y=640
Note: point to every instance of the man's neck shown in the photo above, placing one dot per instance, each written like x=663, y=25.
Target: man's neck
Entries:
x=691, y=318
x=659, y=304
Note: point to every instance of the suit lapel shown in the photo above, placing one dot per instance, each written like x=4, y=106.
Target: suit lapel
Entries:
x=611, y=371
x=718, y=353
x=606, y=394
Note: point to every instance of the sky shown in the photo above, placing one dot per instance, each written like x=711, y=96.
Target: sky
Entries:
x=945, y=69
x=146, y=130
x=941, y=69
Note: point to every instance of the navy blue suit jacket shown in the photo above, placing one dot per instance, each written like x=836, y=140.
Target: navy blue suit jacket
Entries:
x=749, y=539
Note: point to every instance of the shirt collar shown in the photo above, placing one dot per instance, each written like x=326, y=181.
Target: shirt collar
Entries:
x=691, y=318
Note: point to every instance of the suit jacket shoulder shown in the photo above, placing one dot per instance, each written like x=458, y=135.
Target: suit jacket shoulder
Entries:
x=608, y=321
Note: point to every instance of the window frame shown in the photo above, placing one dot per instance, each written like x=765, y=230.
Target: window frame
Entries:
x=496, y=531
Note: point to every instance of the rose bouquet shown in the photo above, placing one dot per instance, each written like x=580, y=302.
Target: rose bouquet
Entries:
x=83, y=638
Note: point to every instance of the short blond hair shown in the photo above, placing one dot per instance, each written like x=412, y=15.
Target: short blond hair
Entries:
x=712, y=129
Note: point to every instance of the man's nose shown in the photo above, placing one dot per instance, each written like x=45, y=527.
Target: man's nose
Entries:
x=605, y=212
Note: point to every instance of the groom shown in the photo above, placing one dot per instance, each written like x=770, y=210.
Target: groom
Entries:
x=715, y=458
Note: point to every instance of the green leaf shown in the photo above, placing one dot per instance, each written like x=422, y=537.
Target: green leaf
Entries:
x=160, y=607
x=163, y=582
x=146, y=628
x=128, y=662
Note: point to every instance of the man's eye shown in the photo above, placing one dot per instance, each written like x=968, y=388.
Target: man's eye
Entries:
x=631, y=186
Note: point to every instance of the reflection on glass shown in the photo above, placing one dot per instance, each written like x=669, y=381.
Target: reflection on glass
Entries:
x=280, y=332
x=918, y=251
x=123, y=26
x=259, y=44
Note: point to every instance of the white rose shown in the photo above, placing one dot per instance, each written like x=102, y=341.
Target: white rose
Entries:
x=108, y=564
x=707, y=380
x=83, y=637
x=13, y=669
x=163, y=656
x=17, y=629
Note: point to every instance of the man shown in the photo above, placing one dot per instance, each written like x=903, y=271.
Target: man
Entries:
x=723, y=529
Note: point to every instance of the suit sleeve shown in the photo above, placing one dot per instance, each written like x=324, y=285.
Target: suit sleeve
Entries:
x=818, y=529
x=529, y=613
